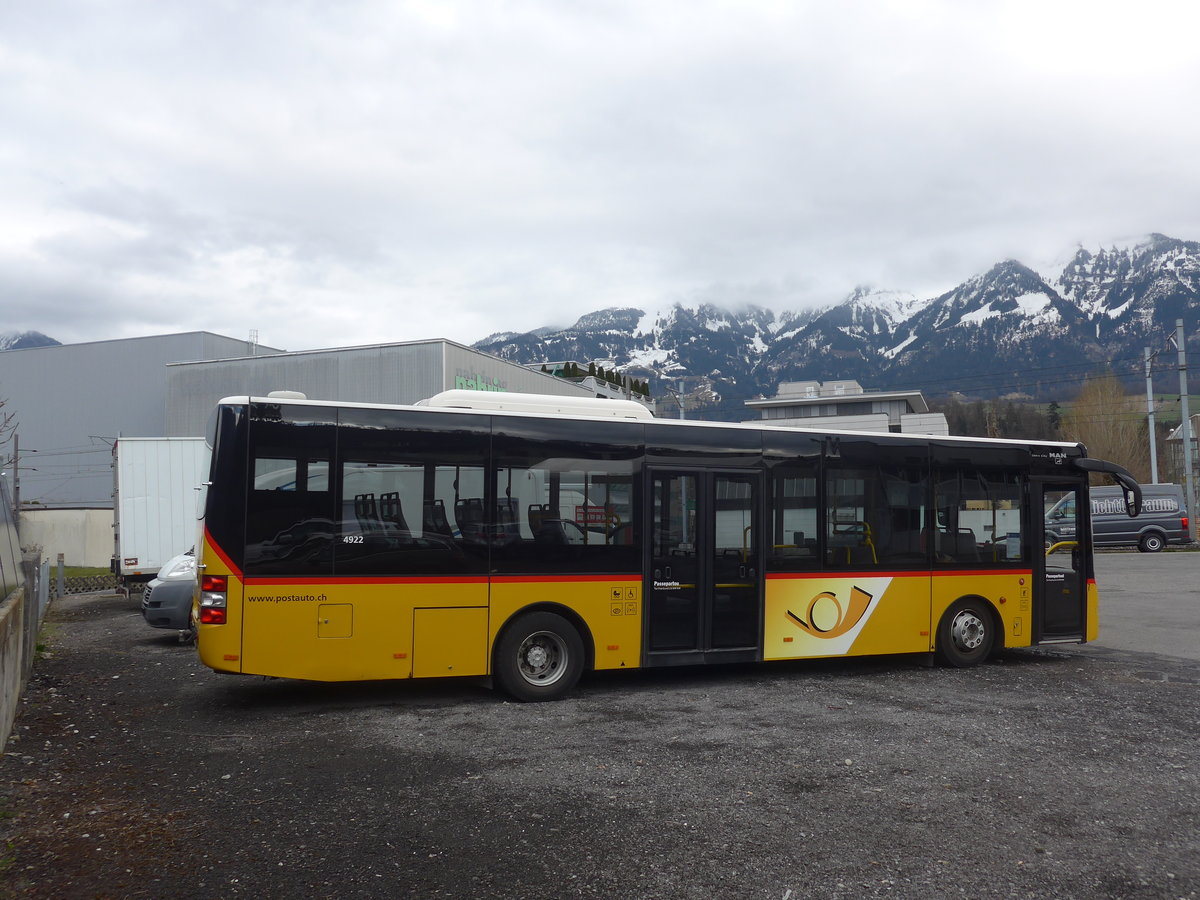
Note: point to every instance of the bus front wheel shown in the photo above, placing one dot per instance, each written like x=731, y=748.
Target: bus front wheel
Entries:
x=538, y=657
x=966, y=634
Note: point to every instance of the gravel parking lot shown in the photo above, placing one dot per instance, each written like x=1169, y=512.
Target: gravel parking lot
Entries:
x=1068, y=772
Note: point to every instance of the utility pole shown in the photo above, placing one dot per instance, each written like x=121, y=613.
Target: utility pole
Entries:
x=1185, y=430
x=1150, y=415
x=16, y=478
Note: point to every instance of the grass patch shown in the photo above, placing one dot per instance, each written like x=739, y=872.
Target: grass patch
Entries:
x=45, y=637
x=82, y=571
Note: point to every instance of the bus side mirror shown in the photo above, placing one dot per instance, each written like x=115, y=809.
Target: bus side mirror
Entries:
x=1132, y=504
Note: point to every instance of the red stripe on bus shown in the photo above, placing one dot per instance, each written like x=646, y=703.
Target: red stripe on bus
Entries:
x=256, y=581
x=1027, y=573
x=224, y=557
x=908, y=573
x=546, y=579
x=438, y=579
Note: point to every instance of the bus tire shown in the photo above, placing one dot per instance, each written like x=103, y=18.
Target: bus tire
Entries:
x=1151, y=542
x=966, y=633
x=539, y=656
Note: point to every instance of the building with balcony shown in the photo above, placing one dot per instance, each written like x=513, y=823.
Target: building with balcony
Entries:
x=846, y=405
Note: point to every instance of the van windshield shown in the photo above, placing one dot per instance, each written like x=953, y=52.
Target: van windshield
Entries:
x=1063, y=508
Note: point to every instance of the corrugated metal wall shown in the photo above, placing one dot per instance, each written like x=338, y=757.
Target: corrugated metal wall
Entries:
x=72, y=401
x=388, y=373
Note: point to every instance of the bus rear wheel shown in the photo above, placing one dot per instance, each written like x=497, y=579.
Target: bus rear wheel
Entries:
x=966, y=634
x=538, y=657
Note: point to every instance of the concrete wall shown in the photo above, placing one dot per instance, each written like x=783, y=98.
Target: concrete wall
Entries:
x=83, y=536
x=21, y=616
x=12, y=660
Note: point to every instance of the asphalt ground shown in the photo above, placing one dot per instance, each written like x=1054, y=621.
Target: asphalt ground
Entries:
x=1064, y=772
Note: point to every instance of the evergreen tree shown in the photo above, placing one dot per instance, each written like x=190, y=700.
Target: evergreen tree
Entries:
x=1054, y=416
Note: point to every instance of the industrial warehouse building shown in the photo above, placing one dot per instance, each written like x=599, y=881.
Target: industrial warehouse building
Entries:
x=71, y=403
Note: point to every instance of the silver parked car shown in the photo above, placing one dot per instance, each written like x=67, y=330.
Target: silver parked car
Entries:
x=167, y=599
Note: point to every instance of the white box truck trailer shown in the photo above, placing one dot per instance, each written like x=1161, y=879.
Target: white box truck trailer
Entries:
x=154, y=502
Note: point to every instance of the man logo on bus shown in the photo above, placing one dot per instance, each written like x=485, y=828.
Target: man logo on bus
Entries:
x=827, y=618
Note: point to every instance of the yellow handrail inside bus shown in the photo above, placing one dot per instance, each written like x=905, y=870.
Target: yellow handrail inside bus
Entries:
x=1061, y=545
x=867, y=540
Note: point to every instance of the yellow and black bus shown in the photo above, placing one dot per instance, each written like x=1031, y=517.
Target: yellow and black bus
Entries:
x=533, y=538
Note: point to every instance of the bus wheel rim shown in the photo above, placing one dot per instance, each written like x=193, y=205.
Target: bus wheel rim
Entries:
x=542, y=658
x=968, y=630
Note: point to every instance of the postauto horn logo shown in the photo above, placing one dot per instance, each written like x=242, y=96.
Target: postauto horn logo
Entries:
x=826, y=616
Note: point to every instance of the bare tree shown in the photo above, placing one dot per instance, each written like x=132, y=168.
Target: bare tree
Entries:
x=8, y=424
x=1111, y=424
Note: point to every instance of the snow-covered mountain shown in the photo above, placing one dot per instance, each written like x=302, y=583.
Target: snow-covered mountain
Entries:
x=23, y=340
x=1136, y=291
x=1007, y=329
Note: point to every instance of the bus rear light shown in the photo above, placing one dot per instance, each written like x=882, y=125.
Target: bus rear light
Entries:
x=214, y=583
x=211, y=615
x=213, y=599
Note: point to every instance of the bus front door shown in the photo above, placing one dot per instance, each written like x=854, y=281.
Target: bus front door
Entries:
x=1060, y=579
x=704, y=572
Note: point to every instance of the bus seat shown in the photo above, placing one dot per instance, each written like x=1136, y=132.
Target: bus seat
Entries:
x=965, y=546
x=550, y=531
x=367, y=513
x=537, y=512
x=468, y=512
x=861, y=555
x=507, y=527
x=433, y=518
x=390, y=510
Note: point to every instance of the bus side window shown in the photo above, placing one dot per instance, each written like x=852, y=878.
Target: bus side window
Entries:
x=978, y=518
x=289, y=517
x=852, y=532
x=794, y=523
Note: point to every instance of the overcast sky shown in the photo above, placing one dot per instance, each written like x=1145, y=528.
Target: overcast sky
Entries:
x=343, y=173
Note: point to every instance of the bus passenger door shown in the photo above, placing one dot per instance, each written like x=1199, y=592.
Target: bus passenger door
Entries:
x=1060, y=579
x=703, y=594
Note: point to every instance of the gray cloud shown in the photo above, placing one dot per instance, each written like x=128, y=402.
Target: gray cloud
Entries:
x=334, y=175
